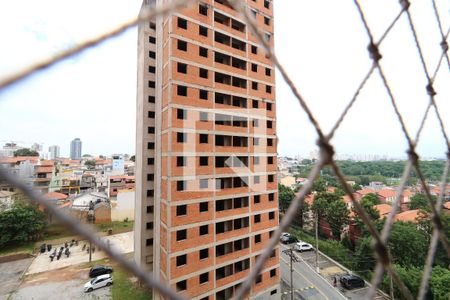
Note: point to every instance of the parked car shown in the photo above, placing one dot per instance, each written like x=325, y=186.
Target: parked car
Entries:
x=288, y=239
x=302, y=246
x=100, y=270
x=98, y=282
x=351, y=281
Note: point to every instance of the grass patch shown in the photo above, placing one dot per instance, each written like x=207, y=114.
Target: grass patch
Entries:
x=333, y=249
x=116, y=226
x=124, y=288
x=25, y=248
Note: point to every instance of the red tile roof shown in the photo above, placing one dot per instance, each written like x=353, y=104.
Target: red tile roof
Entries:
x=386, y=193
x=14, y=160
x=55, y=195
x=365, y=191
x=44, y=169
x=383, y=209
x=408, y=216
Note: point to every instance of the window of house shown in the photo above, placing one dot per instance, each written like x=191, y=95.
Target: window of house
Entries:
x=258, y=279
x=271, y=215
x=255, y=123
x=266, y=3
x=267, y=21
x=273, y=292
x=203, y=160
x=182, y=23
x=151, y=39
x=254, y=85
x=181, y=234
x=150, y=177
x=151, y=69
x=271, y=197
x=270, y=142
x=181, y=185
x=203, y=116
x=181, y=260
x=181, y=137
x=150, y=145
x=254, y=68
x=268, y=72
x=181, y=285
x=203, y=52
x=269, y=124
x=203, y=94
x=151, y=129
x=255, y=103
x=152, y=25
x=149, y=242
x=256, y=160
x=256, y=179
x=270, y=160
x=150, y=193
x=203, y=9
x=182, y=68
x=257, y=238
x=203, y=139
x=151, y=99
x=181, y=90
x=151, y=114
x=150, y=161
x=202, y=30
x=203, y=73
x=256, y=199
x=181, y=210
x=255, y=141
x=257, y=218
x=269, y=106
x=181, y=161
x=181, y=114
x=149, y=225
x=152, y=54
x=182, y=45
x=203, y=185
x=151, y=84
x=149, y=209
x=254, y=49
x=203, y=278
x=203, y=229
x=204, y=253
x=203, y=205
x=270, y=178
x=268, y=89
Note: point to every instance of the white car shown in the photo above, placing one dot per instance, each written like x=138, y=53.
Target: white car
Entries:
x=98, y=282
x=302, y=246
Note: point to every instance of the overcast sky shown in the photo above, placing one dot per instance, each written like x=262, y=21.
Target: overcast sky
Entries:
x=322, y=44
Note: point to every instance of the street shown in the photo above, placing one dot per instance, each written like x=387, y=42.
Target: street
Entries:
x=307, y=283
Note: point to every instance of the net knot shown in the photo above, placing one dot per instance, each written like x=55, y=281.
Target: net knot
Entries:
x=326, y=151
x=444, y=45
x=430, y=89
x=374, y=52
x=405, y=4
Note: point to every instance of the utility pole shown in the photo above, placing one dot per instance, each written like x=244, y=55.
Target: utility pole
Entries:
x=317, y=242
x=292, y=259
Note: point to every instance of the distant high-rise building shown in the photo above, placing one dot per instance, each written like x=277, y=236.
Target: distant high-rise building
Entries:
x=53, y=152
x=206, y=151
x=75, y=149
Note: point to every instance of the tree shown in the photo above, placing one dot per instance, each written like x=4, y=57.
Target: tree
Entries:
x=356, y=187
x=319, y=185
x=337, y=217
x=333, y=209
x=372, y=198
x=368, y=206
x=365, y=259
x=25, y=152
x=419, y=201
x=133, y=158
x=285, y=196
x=87, y=155
x=408, y=245
x=90, y=164
x=20, y=224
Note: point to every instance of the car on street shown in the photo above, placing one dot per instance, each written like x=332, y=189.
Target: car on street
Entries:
x=100, y=270
x=351, y=281
x=288, y=239
x=98, y=282
x=302, y=246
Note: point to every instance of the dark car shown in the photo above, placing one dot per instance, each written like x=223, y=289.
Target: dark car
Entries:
x=351, y=281
x=100, y=270
x=288, y=239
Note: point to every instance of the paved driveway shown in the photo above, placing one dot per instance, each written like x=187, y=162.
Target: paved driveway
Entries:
x=10, y=273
